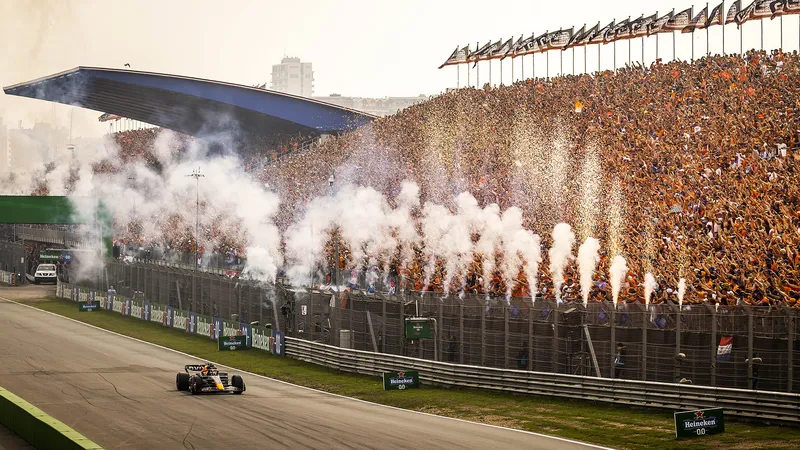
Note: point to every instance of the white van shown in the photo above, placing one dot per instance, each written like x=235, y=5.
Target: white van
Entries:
x=45, y=273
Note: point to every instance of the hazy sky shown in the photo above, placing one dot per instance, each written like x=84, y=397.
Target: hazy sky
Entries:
x=362, y=48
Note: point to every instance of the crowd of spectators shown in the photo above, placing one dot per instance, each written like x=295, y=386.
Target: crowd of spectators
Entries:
x=702, y=153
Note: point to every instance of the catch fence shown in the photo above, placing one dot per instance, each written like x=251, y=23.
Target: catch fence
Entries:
x=663, y=343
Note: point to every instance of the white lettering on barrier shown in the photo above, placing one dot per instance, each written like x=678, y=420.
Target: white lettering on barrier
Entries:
x=117, y=306
x=260, y=341
x=179, y=321
x=156, y=315
x=204, y=328
x=136, y=311
x=230, y=331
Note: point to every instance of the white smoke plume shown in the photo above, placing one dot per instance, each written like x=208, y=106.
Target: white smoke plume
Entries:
x=560, y=254
x=521, y=251
x=650, y=285
x=588, y=258
x=617, y=272
x=681, y=290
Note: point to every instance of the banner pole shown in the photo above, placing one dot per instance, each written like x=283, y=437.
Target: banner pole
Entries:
x=630, y=38
x=723, y=27
x=762, y=33
x=690, y=21
x=781, y=32
x=673, y=46
x=598, y=57
x=708, y=49
x=656, y=35
x=458, y=77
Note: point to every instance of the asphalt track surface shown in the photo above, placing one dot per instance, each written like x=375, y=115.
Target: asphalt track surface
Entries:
x=120, y=393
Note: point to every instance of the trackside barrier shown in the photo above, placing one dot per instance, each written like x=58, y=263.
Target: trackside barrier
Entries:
x=261, y=338
x=753, y=404
x=8, y=278
x=764, y=405
x=37, y=428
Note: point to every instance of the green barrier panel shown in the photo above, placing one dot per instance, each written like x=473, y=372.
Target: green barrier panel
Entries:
x=232, y=343
x=37, y=428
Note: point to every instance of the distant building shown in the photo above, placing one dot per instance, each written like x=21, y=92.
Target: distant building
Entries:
x=293, y=77
x=378, y=106
x=29, y=148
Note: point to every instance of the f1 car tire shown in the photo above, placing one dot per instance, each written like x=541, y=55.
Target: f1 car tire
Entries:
x=237, y=382
x=182, y=381
x=193, y=388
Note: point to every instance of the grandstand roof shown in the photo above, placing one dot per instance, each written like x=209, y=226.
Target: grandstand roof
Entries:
x=193, y=106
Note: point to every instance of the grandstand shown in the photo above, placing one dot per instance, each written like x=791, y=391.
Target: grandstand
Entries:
x=642, y=158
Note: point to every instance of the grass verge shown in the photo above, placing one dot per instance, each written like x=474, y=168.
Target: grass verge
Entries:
x=615, y=426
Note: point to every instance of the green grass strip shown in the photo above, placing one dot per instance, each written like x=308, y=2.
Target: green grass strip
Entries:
x=617, y=426
x=36, y=427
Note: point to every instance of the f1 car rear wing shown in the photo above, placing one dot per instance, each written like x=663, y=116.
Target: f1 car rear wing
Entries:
x=193, y=368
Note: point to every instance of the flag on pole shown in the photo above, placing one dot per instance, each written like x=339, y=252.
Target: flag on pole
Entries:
x=540, y=43
x=587, y=36
x=600, y=36
x=517, y=45
x=715, y=18
x=724, y=349
x=763, y=9
x=679, y=21
x=641, y=26
x=697, y=22
x=746, y=13
x=574, y=38
x=657, y=26
x=459, y=56
x=733, y=11
x=478, y=54
x=505, y=49
x=620, y=31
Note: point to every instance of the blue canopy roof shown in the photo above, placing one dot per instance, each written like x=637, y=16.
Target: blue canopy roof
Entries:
x=192, y=106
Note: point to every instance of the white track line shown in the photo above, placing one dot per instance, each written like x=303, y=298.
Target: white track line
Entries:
x=312, y=389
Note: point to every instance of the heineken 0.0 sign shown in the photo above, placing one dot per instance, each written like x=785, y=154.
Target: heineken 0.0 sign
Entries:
x=400, y=380
x=418, y=328
x=232, y=343
x=699, y=423
x=88, y=305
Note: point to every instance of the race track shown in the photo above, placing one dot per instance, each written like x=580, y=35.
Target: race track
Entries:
x=121, y=394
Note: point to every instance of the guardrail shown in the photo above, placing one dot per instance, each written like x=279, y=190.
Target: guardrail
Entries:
x=59, y=237
x=763, y=405
x=752, y=404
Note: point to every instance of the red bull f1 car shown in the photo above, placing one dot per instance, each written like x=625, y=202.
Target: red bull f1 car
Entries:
x=206, y=379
